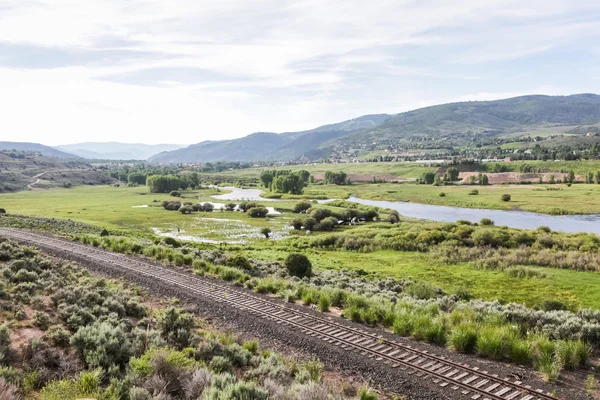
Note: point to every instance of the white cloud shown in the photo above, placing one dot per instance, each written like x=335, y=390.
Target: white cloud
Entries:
x=186, y=71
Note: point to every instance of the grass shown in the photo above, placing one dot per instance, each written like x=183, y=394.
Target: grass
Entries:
x=577, y=199
x=112, y=208
x=115, y=208
x=575, y=288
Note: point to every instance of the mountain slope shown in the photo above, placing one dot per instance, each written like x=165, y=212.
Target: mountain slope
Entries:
x=117, y=151
x=36, y=147
x=267, y=145
x=493, y=117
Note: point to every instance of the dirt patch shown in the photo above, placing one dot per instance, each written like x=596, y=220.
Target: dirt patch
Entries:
x=517, y=177
x=370, y=178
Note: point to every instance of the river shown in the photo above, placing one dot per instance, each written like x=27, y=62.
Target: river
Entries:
x=512, y=219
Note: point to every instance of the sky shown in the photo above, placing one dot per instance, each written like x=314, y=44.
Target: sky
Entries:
x=185, y=71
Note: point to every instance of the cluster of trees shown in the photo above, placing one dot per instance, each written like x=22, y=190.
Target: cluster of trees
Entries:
x=285, y=181
x=336, y=178
x=164, y=183
x=324, y=219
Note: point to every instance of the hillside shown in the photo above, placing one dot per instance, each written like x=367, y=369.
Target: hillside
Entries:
x=268, y=145
x=116, y=150
x=442, y=127
x=36, y=148
x=488, y=117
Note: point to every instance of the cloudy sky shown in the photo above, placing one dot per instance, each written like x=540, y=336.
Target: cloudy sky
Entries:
x=184, y=71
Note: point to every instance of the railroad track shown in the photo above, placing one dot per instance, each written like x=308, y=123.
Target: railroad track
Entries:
x=451, y=376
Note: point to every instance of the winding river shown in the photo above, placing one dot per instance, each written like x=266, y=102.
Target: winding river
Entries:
x=512, y=219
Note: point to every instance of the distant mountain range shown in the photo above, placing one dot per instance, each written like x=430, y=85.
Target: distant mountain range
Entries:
x=38, y=148
x=116, y=150
x=271, y=146
x=466, y=119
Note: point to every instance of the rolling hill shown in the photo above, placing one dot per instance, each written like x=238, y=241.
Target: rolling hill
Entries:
x=116, y=150
x=268, y=145
x=440, y=126
x=37, y=148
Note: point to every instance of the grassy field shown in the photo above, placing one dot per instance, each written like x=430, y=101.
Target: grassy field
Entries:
x=577, y=199
x=125, y=208
x=577, y=289
x=117, y=208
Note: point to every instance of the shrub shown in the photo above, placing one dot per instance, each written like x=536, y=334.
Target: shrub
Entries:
x=186, y=210
x=177, y=327
x=58, y=336
x=238, y=261
x=41, y=320
x=486, y=221
x=505, y=197
x=172, y=242
x=442, y=194
x=310, y=224
x=366, y=394
x=474, y=192
x=220, y=364
x=104, y=233
x=463, y=338
x=258, y=212
x=298, y=265
x=175, y=193
x=324, y=303
x=301, y=207
x=8, y=391
x=230, y=206
x=297, y=224
x=265, y=231
x=102, y=345
x=4, y=344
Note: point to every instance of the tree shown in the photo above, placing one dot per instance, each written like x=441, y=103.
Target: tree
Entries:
x=571, y=176
x=298, y=265
x=428, y=178
x=337, y=178
x=453, y=174
x=265, y=231
x=163, y=183
x=290, y=183
x=590, y=177
x=266, y=177
x=137, y=178
x=305, y=175
x=485, y=180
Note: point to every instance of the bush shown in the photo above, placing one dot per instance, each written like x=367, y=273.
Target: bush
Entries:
x=258, y=212
x=41, y=320
x=266, y=232
x=102, y=345
x=298, y=265
x=301, y=207
x=486, y=221
x=58, y=336
x=310, y=224
x=238, y=261
x=186, y=210
x=463, y=338
x=297, y=224
x=442, y=194
x=177, y=327
x=505, y=197
x=474, y=192
x=4, y=344
x=220, y=364
x=175, y=193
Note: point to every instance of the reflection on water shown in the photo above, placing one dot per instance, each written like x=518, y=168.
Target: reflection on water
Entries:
x=513, y=219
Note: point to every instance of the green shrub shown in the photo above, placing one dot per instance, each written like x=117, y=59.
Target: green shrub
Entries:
x=486, y=221
x=474, y=192
x=220, y=364
x=366, y=394
x=258, y=212
x=4, y=344
x=442, y=194
x=463, y=338
x=505, y=197
x=41, y=320
x=58, y=336
x=102, y=345
x=177, y=327
x=298, y=265
x=238, y=261
x=314, y=367
x=324, y=303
